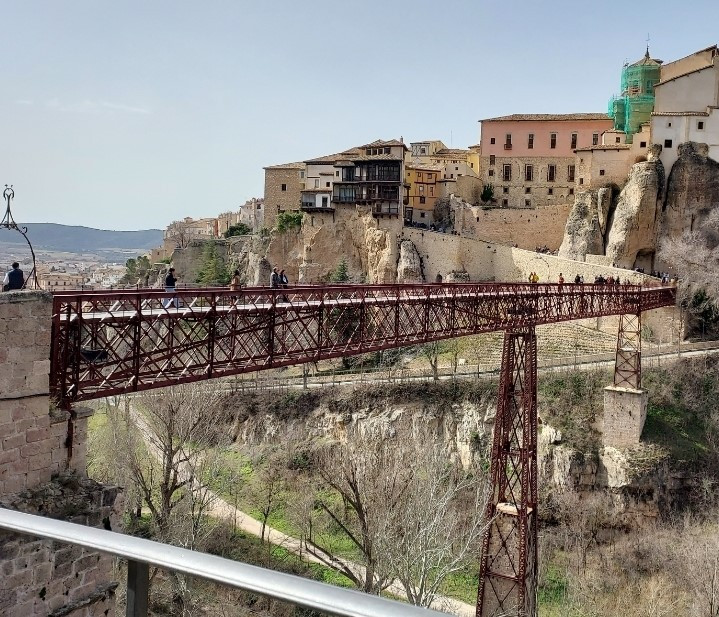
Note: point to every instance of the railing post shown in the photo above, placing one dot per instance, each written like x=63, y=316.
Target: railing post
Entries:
x=138, y=588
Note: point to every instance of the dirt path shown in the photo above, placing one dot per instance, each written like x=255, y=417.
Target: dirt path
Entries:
x=221, y=509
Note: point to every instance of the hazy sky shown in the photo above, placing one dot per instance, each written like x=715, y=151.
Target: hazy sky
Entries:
x=128, y=114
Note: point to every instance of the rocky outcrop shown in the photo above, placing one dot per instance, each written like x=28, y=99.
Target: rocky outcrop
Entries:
x=692, y=191
x=312, y=252
x=633, y=228
x=625, y=230
x=409, y=265
x=583, y=233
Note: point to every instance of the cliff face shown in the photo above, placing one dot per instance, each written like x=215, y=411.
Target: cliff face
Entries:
x=633, y=229
x=312, y=252
x=584, y=231
x=625, y=230
x=409, y=266
x=692, y=191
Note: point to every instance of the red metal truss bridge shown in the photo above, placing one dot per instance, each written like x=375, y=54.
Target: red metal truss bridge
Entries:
x=106, y=343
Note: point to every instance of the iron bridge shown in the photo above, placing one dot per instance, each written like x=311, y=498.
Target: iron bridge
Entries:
x=106, y=343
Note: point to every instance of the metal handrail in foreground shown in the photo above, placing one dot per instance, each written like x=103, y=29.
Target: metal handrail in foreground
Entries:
x=141, y=553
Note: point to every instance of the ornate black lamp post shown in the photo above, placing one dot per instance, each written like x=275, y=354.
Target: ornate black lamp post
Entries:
x=8, y=222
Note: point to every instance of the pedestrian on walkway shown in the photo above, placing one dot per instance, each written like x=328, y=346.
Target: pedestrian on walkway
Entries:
x=170, y=282
x=275, y=279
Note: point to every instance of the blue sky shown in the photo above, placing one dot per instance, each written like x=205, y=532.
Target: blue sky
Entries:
x=128, y=114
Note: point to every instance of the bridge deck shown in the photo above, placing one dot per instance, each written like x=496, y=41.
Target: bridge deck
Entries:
x=107, y=343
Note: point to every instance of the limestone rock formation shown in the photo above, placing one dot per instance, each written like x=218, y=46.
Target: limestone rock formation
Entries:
x=583, y=233
x=633, y=228
x=692, y=191
x=311, y=253
x=409, y=265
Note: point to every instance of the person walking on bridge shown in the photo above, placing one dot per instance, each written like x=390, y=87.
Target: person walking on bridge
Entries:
x=170, y=282
x=275, y=282
x=14, y=279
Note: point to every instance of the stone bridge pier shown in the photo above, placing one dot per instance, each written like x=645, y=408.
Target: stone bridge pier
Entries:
x=43, y=471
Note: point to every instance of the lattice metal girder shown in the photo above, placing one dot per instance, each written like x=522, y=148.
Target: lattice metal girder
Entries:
x=507, y=578
x=628, y=364
x=111, y=342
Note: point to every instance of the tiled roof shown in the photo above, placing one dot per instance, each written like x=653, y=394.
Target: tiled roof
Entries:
x=332, y=158
x=377, y=157
x=451, y=152
x=380, y=143
x=424, y=166
x=548, y=117
x=680, y=113
x=298, y=165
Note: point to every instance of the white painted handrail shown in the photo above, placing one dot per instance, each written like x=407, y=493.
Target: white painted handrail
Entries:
x=141, y=553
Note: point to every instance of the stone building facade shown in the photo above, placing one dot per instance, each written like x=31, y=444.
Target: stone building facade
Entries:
x=529, y=158
x=283, y=190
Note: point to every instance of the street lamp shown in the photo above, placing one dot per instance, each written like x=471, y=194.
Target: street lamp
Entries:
x=8, y=222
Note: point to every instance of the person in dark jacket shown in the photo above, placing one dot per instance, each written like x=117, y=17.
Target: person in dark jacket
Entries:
x=170, y=282
x=14, y=279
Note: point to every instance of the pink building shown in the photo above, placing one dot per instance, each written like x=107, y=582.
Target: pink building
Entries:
x=529, y=158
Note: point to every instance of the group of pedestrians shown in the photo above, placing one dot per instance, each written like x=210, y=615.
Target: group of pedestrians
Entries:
x=278, y=279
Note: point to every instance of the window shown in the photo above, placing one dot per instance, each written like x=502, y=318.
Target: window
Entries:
x=419, y=175
x=386, y=150
x=642, y=144
x=431, y=191
x=492, y=159
x=574, y=141
x=570, y=173
x=528, y=173
x=571, y=191
x=505, y=190
x=551, y=173
x=505, y=202
x=595, y=139
x=317, y=183
x=527, y=203
x=491, y=141
x=491, y=173
x=650, y=87
x=508, y=141
x=669, y=124
x=601, y=172
x=507, y=173
x=456, y=169
x=553, y=140
x=421, y=188
x=421, y=215
x=451, y=175
x=581, y=180
x=302, y=174
x=700, y=125
x=324, y=202
x=617, y=140
x=550, y=191
x=528, y=190
x=284, y=187
x=422, y=199
x=327, y=185
x=667, y=143
x=530, y=141
x=337, y=173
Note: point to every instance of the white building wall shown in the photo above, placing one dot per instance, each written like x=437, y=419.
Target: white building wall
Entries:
x=693, y=92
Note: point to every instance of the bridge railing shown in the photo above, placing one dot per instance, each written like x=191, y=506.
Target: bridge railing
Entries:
x=140, y=554
x=124, y=341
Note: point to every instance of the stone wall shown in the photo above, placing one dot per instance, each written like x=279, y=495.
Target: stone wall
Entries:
x=526, y=227
x=282, y=190
x=40, y=474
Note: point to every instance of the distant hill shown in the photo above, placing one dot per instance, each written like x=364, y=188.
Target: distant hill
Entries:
x=76, y=239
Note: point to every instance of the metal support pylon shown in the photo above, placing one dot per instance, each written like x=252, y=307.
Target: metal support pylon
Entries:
x=508, y=568
x=628, y=365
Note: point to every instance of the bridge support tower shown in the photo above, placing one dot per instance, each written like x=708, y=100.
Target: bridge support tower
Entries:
x=625, y=402
x=508, y=567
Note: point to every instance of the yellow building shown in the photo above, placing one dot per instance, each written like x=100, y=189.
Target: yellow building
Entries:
x=423, y=192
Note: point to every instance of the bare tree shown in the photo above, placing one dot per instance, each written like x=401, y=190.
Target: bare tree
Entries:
x=267, y=488
x=364, y=479
x=431, y=352
x=436, y=528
